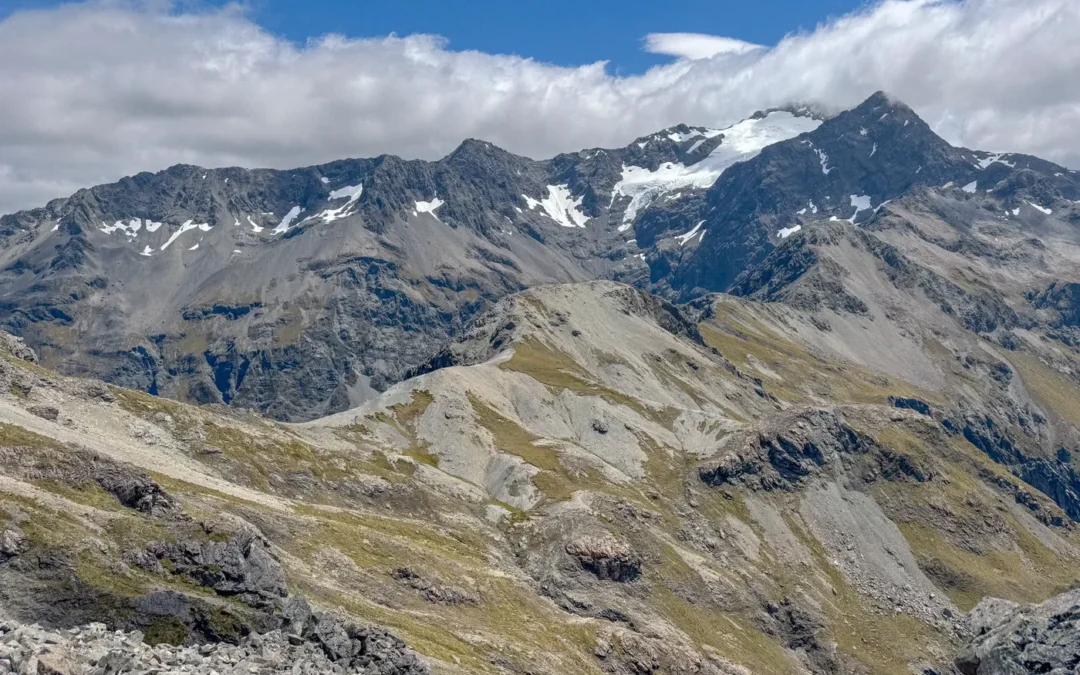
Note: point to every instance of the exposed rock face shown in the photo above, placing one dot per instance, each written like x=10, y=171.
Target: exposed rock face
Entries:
x=639, y=653
x=1063, y=298
x=77, y=468
x=801, y=628
x=1010, y=638
x=46, y=412
x=806, y=445
x=432, y=592
x=361, y=649
x=1057, y=479
x=606, y=557
x=243, y=567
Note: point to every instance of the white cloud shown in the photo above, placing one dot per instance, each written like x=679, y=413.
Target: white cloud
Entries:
x=695, y=45
x=92, y=92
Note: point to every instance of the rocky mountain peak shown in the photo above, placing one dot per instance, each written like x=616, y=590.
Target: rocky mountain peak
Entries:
x=262, y=256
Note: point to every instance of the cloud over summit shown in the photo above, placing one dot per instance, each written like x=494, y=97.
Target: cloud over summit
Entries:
x=96, y=91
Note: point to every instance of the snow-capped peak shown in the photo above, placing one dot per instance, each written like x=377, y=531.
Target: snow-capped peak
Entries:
x=740, y=142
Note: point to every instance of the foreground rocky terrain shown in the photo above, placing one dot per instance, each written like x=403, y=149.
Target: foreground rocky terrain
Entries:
x=721, y=489
x=95, y=649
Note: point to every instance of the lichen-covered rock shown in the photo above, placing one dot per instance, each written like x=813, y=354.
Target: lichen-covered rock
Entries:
x=45, y=412
x=606, y=557
x=12, y=543
x=1012, y=639
x=16, y=347
x=243, y=566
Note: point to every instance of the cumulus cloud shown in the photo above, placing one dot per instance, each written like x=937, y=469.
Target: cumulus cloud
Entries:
x=95, y=91
x=695, y=46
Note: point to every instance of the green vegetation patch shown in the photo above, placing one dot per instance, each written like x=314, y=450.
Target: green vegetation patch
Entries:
x=14, y=436
x=558, y=371
x=169, y=631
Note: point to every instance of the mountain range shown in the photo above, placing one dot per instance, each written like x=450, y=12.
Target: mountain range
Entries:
x=301, y=293
x=801, y=395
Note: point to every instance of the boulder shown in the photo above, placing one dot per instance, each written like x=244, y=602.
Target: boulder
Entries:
x=45, y=412
x=12, y=543
x=16, y=347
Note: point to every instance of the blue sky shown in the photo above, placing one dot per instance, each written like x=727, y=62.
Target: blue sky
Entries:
x=563, y=32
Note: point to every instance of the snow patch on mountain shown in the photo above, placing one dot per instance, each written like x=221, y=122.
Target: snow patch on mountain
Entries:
x=292, y=215
x=1041, y=209
x=704, y=134
x=786, y=232
x=824, y=159
x=560, y=206
x=254, y=226
x=347, y=192
x=740, y=142
x=186, y=227
x=430, y=207
x=971, y=187
x=683, y=238
x=129, y=229
x=990, y=158
x=353, y=192
x=861, y=203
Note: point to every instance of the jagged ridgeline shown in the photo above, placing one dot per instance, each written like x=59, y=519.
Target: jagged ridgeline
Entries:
x=305, y=292
x=797, y=396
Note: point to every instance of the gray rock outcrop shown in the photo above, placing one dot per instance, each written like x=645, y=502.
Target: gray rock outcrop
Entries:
x=243, y=566
x=606, y=557
x=1012, y=639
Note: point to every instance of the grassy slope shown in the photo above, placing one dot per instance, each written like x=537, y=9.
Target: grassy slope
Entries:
x=340, y=548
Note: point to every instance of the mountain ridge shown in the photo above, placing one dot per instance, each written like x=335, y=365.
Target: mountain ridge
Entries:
x=369, y=265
